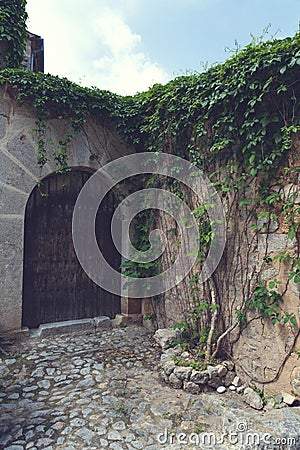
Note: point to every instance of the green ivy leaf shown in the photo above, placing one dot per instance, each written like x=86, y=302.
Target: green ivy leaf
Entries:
x=293, y=320
x=297, y=278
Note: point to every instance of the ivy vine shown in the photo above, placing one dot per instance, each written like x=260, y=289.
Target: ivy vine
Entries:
x=13, y=31
x=241, y=98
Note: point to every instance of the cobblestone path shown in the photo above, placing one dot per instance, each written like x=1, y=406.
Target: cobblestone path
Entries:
x=102, y=391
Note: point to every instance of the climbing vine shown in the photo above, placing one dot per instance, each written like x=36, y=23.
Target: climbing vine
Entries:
x=238, y=121
x=251, y=100
x=13, y=32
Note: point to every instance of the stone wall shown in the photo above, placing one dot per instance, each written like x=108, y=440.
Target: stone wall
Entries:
x=264, y=354
x=19, y=174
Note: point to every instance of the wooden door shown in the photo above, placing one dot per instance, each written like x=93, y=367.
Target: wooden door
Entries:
x=55, y=287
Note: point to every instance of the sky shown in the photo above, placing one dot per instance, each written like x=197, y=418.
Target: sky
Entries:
x=126, y=46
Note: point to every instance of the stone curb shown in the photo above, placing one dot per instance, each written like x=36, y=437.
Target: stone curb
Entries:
x=73, y=326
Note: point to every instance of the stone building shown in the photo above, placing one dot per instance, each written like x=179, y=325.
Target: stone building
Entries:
x=34, y=53
x=41, y=280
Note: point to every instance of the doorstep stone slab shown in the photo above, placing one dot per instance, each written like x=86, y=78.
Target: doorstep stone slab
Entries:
x=73, y=326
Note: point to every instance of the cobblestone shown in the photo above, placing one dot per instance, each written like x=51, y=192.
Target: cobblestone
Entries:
x=103, y=391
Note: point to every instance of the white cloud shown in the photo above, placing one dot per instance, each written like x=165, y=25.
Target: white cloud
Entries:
x=90, y=42
x=124, y=67
x=115, y=33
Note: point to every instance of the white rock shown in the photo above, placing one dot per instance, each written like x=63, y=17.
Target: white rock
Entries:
x=237, y=382
x=288, y=398
x=221, y=389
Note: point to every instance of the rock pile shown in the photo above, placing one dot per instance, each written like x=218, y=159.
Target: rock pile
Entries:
x=181, y=375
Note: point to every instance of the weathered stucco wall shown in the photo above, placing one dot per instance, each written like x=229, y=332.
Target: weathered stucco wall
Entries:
x=19, y=174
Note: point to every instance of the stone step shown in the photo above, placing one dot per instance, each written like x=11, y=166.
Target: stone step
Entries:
x=72, y=326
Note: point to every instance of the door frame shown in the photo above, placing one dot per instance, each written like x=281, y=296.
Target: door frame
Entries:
x=79, y=169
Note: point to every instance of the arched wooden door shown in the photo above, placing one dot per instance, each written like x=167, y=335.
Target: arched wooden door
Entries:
x=55, y=287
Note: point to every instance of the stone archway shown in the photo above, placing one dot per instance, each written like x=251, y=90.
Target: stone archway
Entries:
x=97, y=143
x=55, y=287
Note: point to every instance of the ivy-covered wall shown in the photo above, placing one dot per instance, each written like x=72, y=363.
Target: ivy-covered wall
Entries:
x=256, y=309
x=239, y=123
